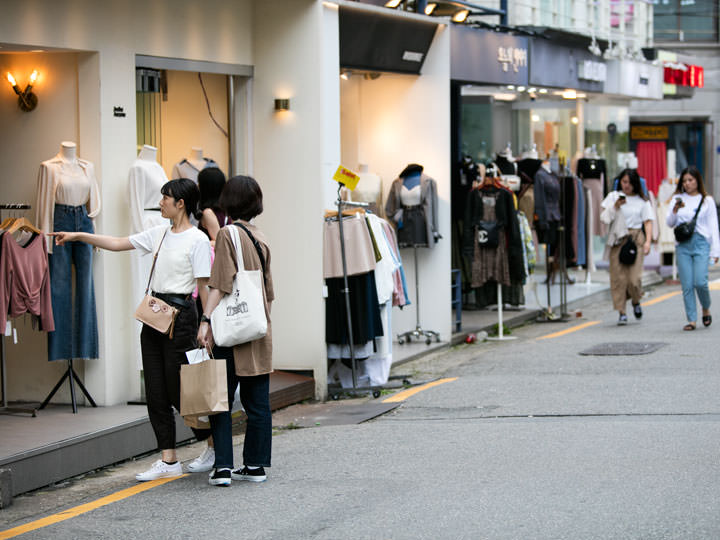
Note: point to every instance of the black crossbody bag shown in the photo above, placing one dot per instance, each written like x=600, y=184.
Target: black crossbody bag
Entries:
x=684, y=231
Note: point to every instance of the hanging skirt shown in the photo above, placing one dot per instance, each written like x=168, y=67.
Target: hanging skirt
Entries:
x=490, y=263
x=413, y=232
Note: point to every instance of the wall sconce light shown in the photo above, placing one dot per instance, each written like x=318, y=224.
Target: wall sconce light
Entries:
x=575, y=120
x=282, y=105
x=27, y=100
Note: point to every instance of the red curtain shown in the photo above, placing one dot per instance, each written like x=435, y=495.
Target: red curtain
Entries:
x=652, y=163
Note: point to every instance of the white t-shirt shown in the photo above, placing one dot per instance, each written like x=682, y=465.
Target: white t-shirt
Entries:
x=183, y=258
x=636, y=211
x=707, y=220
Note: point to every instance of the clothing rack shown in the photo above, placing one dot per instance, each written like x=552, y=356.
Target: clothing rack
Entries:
x=5, y=409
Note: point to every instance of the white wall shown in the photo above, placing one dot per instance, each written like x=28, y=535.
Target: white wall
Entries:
x=213, y=30
x=294, y=42
x=388, y=123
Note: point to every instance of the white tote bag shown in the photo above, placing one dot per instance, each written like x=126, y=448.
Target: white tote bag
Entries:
x=240, y=316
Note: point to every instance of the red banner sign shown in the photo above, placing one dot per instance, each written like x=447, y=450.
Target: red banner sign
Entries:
x=684, y=74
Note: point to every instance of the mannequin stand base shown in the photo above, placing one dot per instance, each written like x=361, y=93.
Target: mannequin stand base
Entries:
x=418, y=333
x=550, y=317
x=19, y=410
x=72, y=378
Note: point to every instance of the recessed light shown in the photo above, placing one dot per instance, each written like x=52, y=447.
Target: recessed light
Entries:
x=37, y=50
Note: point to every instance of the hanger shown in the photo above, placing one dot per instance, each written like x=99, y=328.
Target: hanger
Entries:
x=346, y=212
x=23, y=223
x=7, y=222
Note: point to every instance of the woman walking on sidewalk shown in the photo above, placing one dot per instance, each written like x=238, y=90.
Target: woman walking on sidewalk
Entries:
x=248, y=364
x=629, y=214
x=183, y=261
x=693, y=255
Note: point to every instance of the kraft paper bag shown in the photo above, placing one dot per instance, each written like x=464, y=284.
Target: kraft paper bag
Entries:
x=197, y=422
x=203, y=388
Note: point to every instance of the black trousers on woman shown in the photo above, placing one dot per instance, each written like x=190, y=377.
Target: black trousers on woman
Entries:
x=162, y=358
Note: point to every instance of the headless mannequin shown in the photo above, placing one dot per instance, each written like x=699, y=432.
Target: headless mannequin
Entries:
x=68, y=152
x=411, y=181
x=368, y=189
x=148, y=153
x=552, y=262
x=196, y=158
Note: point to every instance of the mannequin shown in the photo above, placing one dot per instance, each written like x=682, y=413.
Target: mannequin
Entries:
x=190, y=167
x=369, y=190
x=412, y=206
x=145, y=178
x=68, y=199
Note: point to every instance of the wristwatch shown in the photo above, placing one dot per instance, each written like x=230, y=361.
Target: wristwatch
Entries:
x=204, y=318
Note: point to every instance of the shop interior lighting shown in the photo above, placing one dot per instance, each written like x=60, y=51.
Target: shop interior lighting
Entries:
x=532, y=90
x=27, y=100
x=574, y=120
x=535, y=118
x=282, y=104
x=569, y=94
x=543, y=91
x=520, y=88
x=511, y=87
x=393, y=3
x=345, y=75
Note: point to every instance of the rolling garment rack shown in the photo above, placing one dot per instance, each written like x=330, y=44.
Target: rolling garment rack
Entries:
x=375, y=390
x=5, y=409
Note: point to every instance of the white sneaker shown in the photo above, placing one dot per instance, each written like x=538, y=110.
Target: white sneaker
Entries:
x=204, y=462
x=160, y=469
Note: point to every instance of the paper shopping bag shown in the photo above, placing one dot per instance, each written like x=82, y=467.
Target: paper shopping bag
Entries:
x=196, y=421
x=203, y=388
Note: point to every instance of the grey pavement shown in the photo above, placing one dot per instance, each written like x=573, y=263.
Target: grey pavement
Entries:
x=532, y=441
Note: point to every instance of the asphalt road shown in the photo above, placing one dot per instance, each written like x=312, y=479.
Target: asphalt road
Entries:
x=531, y=441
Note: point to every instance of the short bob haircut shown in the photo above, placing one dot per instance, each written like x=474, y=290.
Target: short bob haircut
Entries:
x=211, y=182
x=185, y=189
x=693, y=171
x=242, y=198
x=634, y=178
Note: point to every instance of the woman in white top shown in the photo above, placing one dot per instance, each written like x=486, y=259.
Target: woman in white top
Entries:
x=693, y=256
x=628, y=212
x=183, y=262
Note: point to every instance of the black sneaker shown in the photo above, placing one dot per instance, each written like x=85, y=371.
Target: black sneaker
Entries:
x=637, y=311
x=250, y=475
x=220, y=477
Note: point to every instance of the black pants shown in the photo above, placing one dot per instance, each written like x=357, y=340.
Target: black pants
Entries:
x=162, y=358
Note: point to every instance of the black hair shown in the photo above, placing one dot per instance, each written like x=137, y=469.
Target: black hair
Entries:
x=242, y=198
x=634, y=178
x=693, y=171
x=211, y=182
x=185, y=189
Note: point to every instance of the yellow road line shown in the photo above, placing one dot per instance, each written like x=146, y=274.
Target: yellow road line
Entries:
x=402, y=396
x=661, y=298
x=83, y=508
x=570, y=330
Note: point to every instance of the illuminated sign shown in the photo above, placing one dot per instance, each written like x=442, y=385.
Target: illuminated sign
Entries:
x=648, y=132
x=684, y=74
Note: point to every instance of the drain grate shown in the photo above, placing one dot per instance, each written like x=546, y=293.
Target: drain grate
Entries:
x=622, y=349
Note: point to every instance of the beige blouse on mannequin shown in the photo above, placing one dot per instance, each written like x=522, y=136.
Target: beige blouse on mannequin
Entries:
x=368, y=190
x=65, y=179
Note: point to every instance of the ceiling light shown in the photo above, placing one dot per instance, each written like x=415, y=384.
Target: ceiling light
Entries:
x=569, y=94
x=430, y=8
x=345, y=75
x=460, y=16
x=574, y=120
x=511, y=87
x=532, y=89
x=535, y=118
x=521, y=88
x=543, y=90
x=392, y=3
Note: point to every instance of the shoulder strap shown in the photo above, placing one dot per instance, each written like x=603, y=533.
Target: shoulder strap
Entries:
x=152, y=268
x=697, y=210
x=257, y=248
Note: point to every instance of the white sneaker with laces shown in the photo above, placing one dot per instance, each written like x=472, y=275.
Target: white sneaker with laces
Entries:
x=160, y=469
x=204, y=462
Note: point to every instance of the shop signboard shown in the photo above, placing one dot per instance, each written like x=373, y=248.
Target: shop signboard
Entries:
x=634, y=79
x=649, y=133
x=485, y=57
x=560, y=66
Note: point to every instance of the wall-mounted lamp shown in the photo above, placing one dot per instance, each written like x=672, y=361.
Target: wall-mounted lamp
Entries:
x=282, y=105
x=27, y=100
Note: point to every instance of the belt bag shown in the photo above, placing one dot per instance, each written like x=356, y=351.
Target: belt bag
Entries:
x=628, y=252
x=154, y=312
x=684, y=231
x=487, y=234
x=240, y=316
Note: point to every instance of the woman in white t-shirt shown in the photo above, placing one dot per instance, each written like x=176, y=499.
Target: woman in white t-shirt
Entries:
x=628, y=213
x=693, y=256
x=183, y=262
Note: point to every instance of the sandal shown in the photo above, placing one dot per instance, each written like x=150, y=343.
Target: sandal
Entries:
x=707, y=320
x=689, y=326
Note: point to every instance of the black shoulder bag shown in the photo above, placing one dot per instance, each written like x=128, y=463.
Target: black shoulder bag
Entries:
x=684, y=231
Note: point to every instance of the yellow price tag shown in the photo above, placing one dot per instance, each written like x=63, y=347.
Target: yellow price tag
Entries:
x=346, y=177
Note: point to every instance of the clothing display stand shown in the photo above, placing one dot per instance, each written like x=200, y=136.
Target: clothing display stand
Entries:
x=72, y=378
x=5, y=409
x=418, y=332
x=590, y=233
x=501, y=336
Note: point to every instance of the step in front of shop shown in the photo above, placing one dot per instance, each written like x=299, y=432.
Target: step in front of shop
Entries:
x=41, y=464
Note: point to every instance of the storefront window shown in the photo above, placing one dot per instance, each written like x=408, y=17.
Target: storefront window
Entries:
x=685, y=20
x=477, y=128
x=607, y=127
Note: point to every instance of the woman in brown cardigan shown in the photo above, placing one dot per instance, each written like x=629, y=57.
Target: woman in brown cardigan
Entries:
x=249, y=364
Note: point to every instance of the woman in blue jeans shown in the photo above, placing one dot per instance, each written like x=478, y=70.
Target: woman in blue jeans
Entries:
x=693, y=256
x=248, y=364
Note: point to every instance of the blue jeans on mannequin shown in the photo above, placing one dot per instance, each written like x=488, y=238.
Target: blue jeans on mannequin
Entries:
x=255, y=399
x=693, y=261
x=75, y=334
